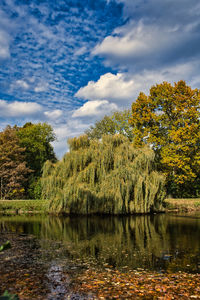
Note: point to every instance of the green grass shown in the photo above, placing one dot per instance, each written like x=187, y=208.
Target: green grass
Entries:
x=23, y=206
x=188, y=204
x=41, y=206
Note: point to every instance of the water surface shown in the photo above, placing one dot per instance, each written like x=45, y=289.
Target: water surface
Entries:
x=154, y=242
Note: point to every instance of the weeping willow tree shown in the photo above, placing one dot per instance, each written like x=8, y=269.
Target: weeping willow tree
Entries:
x=108, y=176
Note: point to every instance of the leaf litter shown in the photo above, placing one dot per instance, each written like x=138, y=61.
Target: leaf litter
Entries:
x=33, y=272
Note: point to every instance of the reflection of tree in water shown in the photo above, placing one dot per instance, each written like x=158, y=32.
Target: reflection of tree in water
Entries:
x=184, y=242
x=21, y=224
x=142, y=241
x=153, y=242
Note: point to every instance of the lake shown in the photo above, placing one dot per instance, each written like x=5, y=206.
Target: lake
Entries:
x=160, y=242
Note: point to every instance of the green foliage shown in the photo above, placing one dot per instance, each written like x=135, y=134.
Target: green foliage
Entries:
x=169, y=120
x=23, y=206
x=117, y=123
x=23, y=152
x=6, y=245
x=108, y=176
x=13, y=169
x=8, y=296
x=34, y=187
x=197, y=204
x=36, y=139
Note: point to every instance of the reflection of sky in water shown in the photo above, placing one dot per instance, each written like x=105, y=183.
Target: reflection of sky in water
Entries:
x=160, y=242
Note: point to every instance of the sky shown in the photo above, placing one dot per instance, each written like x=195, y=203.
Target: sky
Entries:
x=70, y=62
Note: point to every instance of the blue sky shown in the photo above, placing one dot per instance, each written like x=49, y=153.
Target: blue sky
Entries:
x=70, y=62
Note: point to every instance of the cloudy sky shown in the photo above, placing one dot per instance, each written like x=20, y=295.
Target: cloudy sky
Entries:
x=70, y=62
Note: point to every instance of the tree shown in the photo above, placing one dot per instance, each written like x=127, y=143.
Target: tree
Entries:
x=36, y=139
x=168, y=120
x=117, y=123
x=103, y=176
x=13, y=170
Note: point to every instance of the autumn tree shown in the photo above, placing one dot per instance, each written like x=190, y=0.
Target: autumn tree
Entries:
x=13, y=169
x=36, y=139
x=117, y=123
x=169, y=120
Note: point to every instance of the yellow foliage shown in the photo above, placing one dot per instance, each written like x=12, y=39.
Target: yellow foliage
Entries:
x=169, y=120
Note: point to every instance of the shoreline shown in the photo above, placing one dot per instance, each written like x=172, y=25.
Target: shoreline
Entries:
x=182, y=205
x=33, y=207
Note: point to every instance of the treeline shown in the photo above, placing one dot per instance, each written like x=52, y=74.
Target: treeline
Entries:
x=123, y=164
x=168, y=121
x=23, y=152
x=126, y=162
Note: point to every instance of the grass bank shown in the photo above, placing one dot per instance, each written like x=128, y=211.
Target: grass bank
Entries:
x=183, y=205
x=23, y=206
x=41, y=206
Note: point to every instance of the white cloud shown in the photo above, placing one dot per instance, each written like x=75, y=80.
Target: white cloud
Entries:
x=182, y=71
x=35, y=111
x=4, y=44
x=116, y=88
x=54, y=114
x=23, y=84
x=80, y=51
x=127, y=43
x=136, y=40
x=41, y=87
x=95, y=108
x=164, y=11
x=19, y=109
x=124, y=88
x=150, y=41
